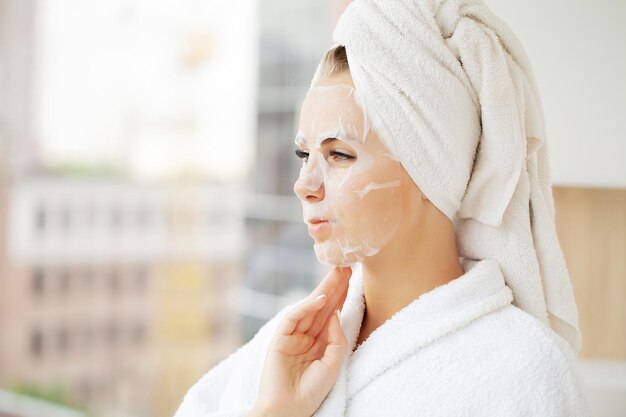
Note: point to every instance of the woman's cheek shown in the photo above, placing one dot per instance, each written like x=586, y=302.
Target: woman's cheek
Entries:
x=380, y=212
x=355, y=210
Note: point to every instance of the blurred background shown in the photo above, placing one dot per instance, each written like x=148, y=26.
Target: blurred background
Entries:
x=148, y=225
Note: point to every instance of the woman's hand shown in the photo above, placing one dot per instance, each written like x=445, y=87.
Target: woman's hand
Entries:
x=304, y=356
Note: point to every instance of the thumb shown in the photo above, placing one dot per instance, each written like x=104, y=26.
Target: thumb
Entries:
x=336, y=348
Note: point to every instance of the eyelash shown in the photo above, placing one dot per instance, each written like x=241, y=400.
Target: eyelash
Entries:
x=301, y=154
x=305, y=155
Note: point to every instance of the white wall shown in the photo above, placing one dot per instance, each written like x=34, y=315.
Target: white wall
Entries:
x=579, y=58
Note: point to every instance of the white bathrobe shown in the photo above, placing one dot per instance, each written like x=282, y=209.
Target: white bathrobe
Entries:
x=462, y=349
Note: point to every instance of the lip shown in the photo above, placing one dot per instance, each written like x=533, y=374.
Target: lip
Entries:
x=317, y=226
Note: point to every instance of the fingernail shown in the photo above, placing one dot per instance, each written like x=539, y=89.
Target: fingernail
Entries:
x=320, y=296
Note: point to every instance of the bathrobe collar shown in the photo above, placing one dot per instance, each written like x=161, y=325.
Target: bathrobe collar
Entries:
x=443, y=310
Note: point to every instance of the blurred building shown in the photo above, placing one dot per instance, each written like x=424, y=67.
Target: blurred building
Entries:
x=114, y=292
x=117, y=289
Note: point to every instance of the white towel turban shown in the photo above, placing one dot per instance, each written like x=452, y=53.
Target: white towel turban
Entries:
x=451, y=93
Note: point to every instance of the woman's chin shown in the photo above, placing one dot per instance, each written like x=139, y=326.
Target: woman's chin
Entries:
x=329, y=253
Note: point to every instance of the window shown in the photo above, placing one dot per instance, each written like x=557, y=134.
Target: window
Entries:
x=116, y=218
x=87, y=336
x=217, y=328
x=64, y=281
x=40, y=219
x=37, y=277
x=114, y=282
x=138, y=333
x=143, y=217
x=36, y=343
x=84, y=389
x=141, y=278
x=88, y=278
x=66, y=218
x=62, y=340
x=111, y=333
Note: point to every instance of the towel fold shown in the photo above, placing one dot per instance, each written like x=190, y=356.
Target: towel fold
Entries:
x=452, y=94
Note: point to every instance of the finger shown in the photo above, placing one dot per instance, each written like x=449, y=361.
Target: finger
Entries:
x=336, y=347
x=297, y=313
x=342, y=299
x=338, y=277
x=322, y=340
x=293, y=344
x=329, y=282
x=322, y=317
x=335, y=302
x=305, y=323
x=333, y=298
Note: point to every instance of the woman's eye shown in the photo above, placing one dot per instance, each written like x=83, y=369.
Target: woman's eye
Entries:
x=302, y=155
x=340, y=156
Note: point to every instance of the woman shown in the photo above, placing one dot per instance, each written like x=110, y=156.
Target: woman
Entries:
x=425, y=182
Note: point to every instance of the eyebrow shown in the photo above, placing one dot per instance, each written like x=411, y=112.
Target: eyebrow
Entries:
x=300, y=140
x=328, y=140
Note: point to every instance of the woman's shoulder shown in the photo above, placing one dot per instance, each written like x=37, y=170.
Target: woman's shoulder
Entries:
x=525, y=357
x=515, y=337
x=520, y=332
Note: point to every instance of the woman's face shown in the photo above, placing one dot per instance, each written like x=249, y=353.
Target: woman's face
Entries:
x=349, y=183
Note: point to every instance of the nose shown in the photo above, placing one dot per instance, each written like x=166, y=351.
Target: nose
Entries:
x=304, y=191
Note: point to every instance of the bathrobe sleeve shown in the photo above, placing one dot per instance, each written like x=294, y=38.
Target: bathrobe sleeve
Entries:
x=230, y=388
x=204, y=397
x=556, y=387
x=531, y=371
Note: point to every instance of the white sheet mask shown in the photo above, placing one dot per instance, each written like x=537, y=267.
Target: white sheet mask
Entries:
x=360, y=197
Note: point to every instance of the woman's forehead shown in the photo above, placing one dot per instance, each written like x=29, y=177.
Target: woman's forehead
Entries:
x=331, y=109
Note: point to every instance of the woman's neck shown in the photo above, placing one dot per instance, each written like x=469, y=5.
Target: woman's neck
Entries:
x=421, y=258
